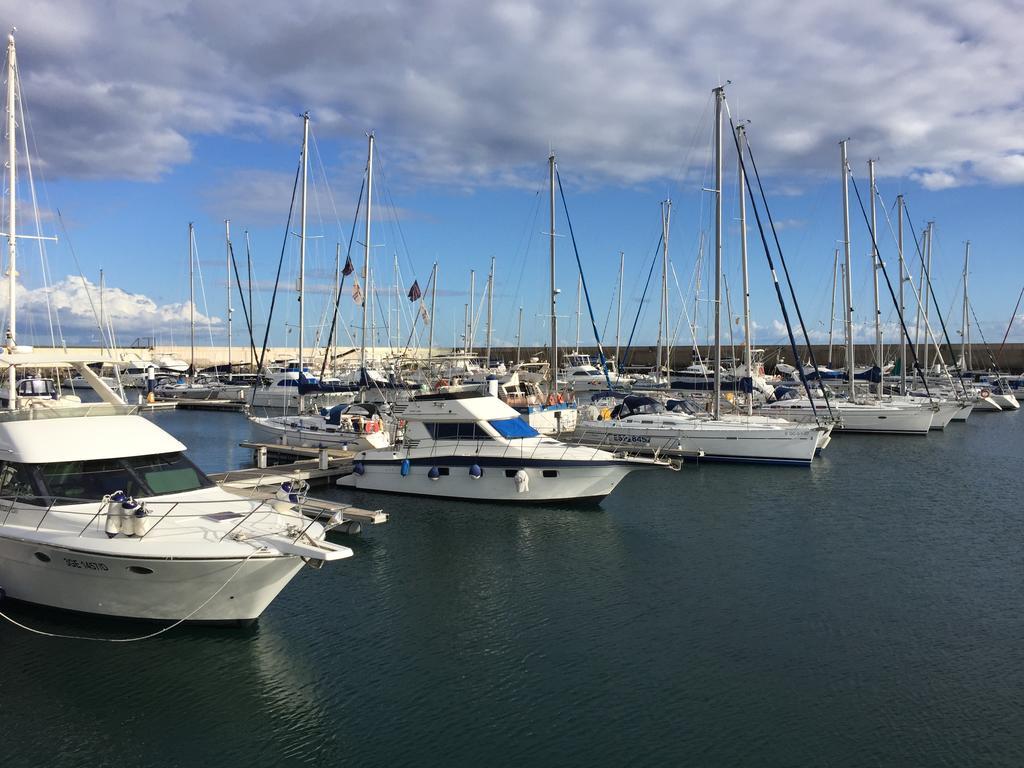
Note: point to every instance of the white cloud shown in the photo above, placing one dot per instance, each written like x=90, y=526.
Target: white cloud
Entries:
x=74, y=304
x=471, y=93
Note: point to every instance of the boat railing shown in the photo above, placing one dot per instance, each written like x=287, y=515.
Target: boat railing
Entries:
x=103, y=507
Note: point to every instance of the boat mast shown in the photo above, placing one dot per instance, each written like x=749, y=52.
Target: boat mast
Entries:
x=333, y=341
x=554, y=290
x=103, y=314
x=191, y=303
x=666, y=228
x=926, y=287
x=832, y=310
x=741, y=136
x=903, y=337
x=12, y=169
x=917, y=316
x=252, y=309
x=847, y=267
x=874, y=274
x=366, y=251
x=470, y=331
x=965, y=328
x=519, y=337
x=302, y=241
x=490, y=312
x=618, y=311
x=717, y=405
x=433, y=318
x=227, y=266
x=658, y=367
x=579, y=299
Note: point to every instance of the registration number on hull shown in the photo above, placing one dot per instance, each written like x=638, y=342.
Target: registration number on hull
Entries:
x=89, y=565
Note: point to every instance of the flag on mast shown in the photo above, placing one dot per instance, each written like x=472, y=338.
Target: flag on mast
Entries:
x=357, y=293
x=349, y=268
x=414, y=292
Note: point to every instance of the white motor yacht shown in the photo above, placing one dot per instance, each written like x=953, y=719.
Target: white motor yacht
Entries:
x=467, y=445
x=101, y=512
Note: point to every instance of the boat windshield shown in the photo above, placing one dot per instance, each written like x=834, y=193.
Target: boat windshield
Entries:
x=513, y=428
x=135, y=475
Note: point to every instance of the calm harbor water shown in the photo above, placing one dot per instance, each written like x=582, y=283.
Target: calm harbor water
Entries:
x=867, y=611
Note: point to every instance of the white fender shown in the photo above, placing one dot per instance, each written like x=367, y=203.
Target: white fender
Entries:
x=522, y=481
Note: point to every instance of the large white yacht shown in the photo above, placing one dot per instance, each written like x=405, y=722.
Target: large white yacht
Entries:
x=467, y=445
x=101, y=512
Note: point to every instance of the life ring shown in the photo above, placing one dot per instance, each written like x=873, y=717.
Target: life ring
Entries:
x=561, y=398
x=985, y=394
x=442, y=383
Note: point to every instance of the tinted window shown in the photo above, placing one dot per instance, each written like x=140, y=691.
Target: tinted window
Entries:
x=89, y=480
x=442, y=431
x=16, y=483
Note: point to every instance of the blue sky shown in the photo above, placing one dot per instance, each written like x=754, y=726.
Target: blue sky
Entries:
x=148, y=116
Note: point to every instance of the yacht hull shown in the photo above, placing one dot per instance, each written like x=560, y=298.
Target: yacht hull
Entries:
x=292, y=431
x=796, y=447
x=580, y=481
x=862, y=419
x=142, y=588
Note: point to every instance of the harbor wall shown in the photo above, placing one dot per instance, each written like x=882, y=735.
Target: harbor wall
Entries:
x=1010, y=358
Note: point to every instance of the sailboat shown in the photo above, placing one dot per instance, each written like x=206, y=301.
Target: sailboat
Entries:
x=646, y=425
x=102, y=512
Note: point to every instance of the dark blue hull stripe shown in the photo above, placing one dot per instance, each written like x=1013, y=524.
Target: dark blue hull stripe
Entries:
x=492, y=461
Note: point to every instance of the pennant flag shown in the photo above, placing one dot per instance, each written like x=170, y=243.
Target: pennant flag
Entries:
x=348, y=268
x=357, y=294
x=424, y=314
x=414, y=292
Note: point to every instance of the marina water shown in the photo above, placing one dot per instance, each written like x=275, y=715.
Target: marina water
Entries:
x=867, y=611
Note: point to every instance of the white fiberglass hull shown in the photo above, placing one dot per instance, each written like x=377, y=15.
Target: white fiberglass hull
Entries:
x=880, y=419
x=711, y=441
x=1006, y=402
x=548, y=480
x=134, y=587
x=297, y=430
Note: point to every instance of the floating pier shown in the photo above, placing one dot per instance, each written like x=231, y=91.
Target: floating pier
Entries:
x=316, y=466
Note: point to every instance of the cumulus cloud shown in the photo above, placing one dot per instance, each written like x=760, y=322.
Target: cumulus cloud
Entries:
x=73, y=306
x=474, y=93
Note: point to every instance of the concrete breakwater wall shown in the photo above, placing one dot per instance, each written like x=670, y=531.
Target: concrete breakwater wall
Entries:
x=1010, y=358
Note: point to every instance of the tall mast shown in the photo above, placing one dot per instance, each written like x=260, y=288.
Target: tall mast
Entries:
x=874, y=275
x=333, y=341
x=717, y=405
x=302, y=241
x=965, y=329
x=832, y=310
x=490, y=311
x=470, y=330
x=662, y=325
x=433, y=318
x=252, y=309
x=366, y=251
x=741, y=135
x=618, y=311
x=926, y=287
x=664, y=289
x=191, y=303
x=903, y=337
x=519, y=337
x=12, y=169
x=917, y=318
x=579, y=299
x=847, y=265
x=554, y=290
x=103, y=315
x=227, y=263
x=465, y=328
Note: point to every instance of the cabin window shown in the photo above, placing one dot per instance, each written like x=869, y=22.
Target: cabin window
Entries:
x=447, y=431
x=16, y=482
x=550, y=473
x=513, y=428
x=135, y=475
x=444, y=471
